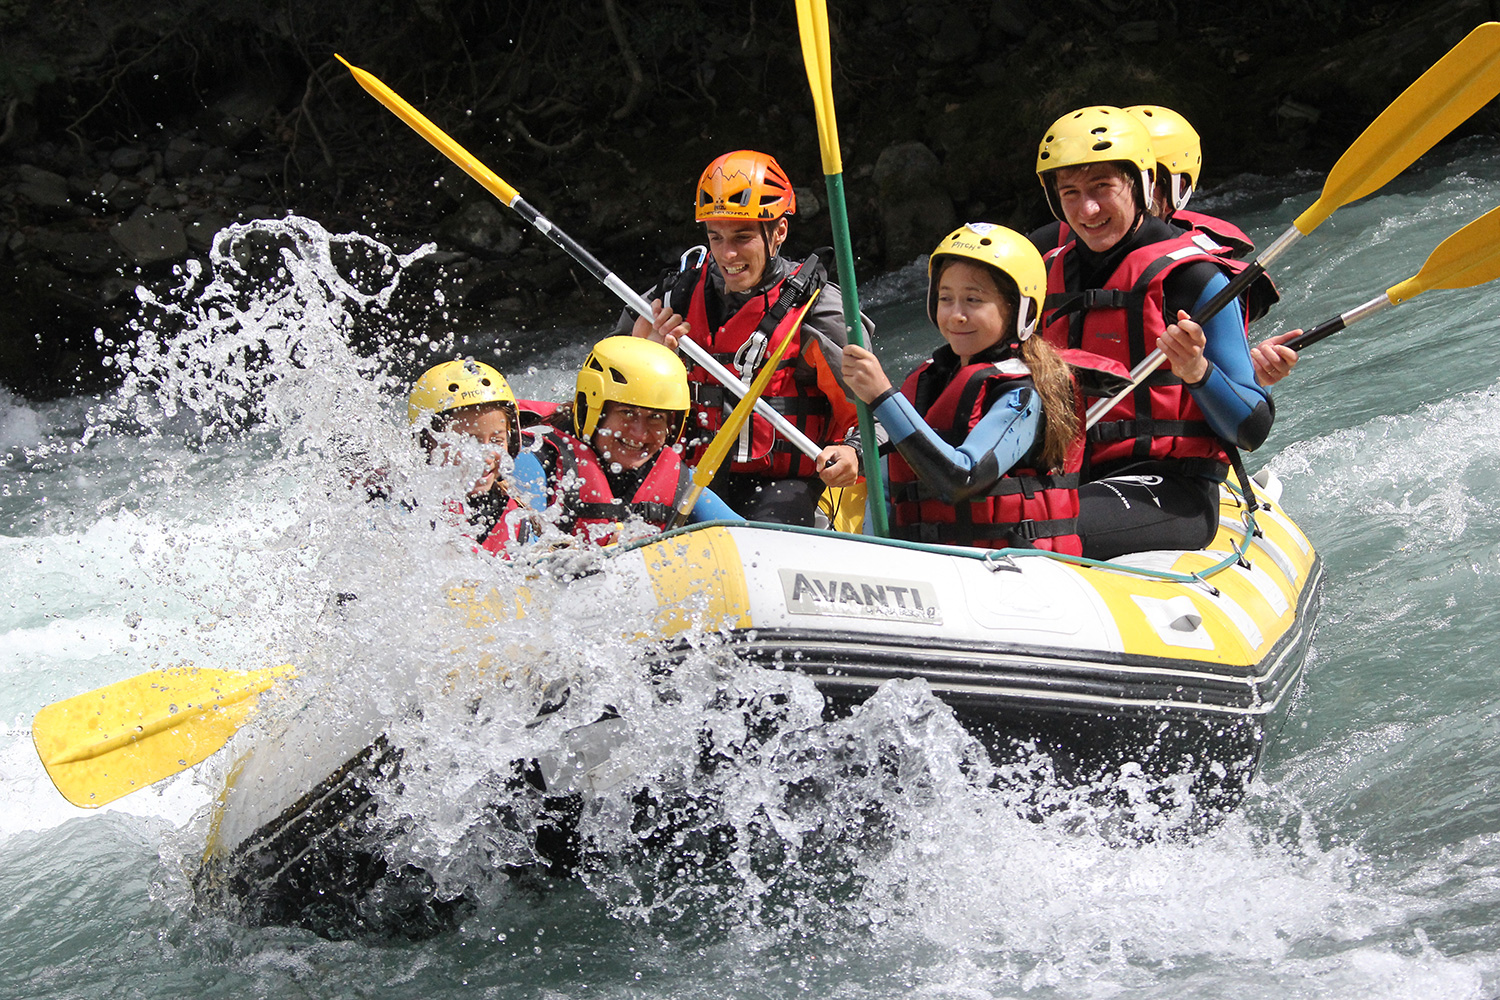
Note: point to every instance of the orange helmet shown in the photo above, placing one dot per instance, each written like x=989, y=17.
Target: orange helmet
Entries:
x=745, y=184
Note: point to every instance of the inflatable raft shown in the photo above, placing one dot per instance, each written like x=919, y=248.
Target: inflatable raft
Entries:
x=1167, y=662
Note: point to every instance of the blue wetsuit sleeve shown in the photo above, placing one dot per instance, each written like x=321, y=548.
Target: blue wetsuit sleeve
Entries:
x=529, y=480
x=1237, y=408
x=1005, y=434
x=711, y=507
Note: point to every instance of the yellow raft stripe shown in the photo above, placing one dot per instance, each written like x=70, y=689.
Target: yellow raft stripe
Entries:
x=1284, y=557
x=698, y=580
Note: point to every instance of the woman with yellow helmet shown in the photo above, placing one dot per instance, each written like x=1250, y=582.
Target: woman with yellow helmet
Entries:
x=734, y=302
x=987, y=431
x=611, y=457
x=458, y=400
x=1124, y=286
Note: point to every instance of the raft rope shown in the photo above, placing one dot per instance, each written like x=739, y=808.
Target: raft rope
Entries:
x=996, y=558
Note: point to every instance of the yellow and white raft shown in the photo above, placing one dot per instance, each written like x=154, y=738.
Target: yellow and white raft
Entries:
x=1166, y=662
x=1173, y=659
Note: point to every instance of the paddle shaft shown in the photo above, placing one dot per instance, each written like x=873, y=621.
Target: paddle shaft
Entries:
x=812, y=27
x=1236, y=287
x=496, y=185
x=718, y=448
x=1327, y=329
x=1464, y=80
x=855, y=331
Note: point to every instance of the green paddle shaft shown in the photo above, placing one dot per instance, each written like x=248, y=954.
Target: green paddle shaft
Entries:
x=854, y=328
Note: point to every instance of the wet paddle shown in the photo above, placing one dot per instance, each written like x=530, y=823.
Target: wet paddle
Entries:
x=1469, y=257
x=1456, y=86
x=496, y=186
x=718, y=448
x=812, y=24
x=105, y=743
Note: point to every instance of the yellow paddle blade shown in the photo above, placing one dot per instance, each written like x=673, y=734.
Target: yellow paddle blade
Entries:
x=1457, y=85
x=812, y=25
x=1469, y=257
x=424, y=127
x=844, y=506
x=723, y=440
x=105, y=743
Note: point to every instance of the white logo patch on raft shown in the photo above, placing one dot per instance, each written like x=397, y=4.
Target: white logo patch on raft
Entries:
x=843, y=595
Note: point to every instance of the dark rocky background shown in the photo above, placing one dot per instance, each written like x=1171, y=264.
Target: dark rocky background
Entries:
x=131, y=132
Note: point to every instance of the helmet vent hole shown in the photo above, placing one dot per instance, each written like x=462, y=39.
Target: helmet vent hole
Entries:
x=615, y=374
x=452, y=386
x=986, y=242
x=484, y=381
x=1103, y=144
x=593, y=363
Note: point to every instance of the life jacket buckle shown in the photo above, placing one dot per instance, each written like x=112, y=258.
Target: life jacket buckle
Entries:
x=751, y=353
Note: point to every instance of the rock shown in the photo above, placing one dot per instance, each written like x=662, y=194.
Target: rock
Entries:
x=87, y=253
x=954, y=38
x=200, y=235
x=1010, y=17
x=916, y=210
x=42, y=188
x=480, y=225
x=808, y=203
x=128, y=158
x=236, y=115
x=151, y=237
x=162, y=196
x=218, y=161
x=125, y=195
x=183, y=156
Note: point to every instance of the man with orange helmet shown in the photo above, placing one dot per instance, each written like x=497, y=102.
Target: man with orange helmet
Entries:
x=738, y=302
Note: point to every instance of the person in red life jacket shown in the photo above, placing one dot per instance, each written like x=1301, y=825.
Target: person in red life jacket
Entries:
x=611, y=456
x=735, y=302
x=987, y=432
x=459, y=400
x=1126, y=285
x=1179, y=162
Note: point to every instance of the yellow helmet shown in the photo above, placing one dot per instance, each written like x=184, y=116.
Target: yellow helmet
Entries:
x=1100, y=134
x=456, y=384
x=745, y=184
x=634, y=371
x=1178, y=150
x=1005, y=250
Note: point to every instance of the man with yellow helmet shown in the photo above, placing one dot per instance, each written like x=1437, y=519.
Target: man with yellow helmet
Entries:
x=735, y=302
x=1126, y=285
x=1007, y=398
x=1179, y=164
x=611, y=456
x=462, y=399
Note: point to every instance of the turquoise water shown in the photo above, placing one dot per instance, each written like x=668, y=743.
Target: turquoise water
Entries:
x=189, y=518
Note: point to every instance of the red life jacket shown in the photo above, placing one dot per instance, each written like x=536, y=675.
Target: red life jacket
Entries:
x=1229, y=243
x=493, y=539
x=793, y=390
x=1025, y=507
x=591, y=511
x=1122, y=322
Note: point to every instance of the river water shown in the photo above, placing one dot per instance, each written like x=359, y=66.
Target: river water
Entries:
x=198, y=516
